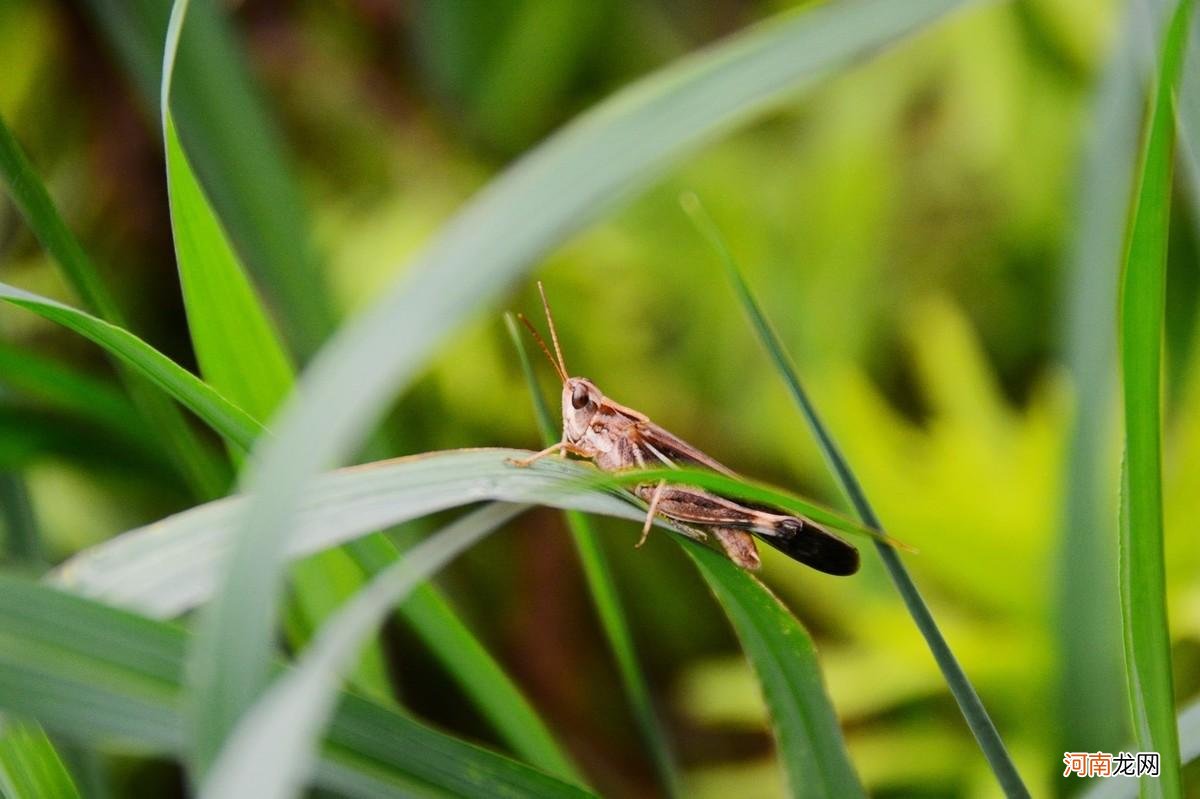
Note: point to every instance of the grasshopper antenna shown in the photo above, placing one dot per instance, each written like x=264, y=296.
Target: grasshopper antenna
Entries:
x=542, y=343
x=562, y=366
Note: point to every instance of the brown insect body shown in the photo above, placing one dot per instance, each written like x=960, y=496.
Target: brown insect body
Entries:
x=616, y=438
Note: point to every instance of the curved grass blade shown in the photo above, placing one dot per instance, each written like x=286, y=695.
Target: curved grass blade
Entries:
x=236, y=151
x=30, y=767
x=204, y=474
x=964, y=692
x=1143, y=291
x=547, y=195
x=171, y=566
x=283, y=728
x=104, y=676
x=607, y=601
x=190, y=391
x=1093, y=709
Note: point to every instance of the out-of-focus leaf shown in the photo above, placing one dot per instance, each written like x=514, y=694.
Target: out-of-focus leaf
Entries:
x=30, y=767
x=104, y=676
x=1094, y=716
x=1127, y=787
x=284, y=727
x=1143, y=287
x=190, y=391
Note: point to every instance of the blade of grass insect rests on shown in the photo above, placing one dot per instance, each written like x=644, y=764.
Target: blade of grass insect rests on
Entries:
x=545, y=196
x=1143, y=287
x=964, y=692
x=110, y=678
x=284, y=726
x=199, y=468
x=240, y=355
x=737, y=488
x=234, y=424
x=811, y=746
x=30, y=767
x=1093, y=715
x=235, y=148
x=605, y=598
x=170, y=566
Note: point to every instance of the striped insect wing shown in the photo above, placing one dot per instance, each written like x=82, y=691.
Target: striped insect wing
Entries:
x=814, y=546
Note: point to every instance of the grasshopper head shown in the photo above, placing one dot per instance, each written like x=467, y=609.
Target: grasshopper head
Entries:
x=580, y=401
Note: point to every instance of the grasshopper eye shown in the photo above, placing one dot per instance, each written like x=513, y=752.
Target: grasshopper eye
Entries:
x=579, y=396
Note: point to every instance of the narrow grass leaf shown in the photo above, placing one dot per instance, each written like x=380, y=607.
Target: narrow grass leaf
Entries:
x=204, y=474
x=1143, y=291
x=284, y=726
x=30, y=767
x=106, y=677
x=547, y=195
x=811, y=747
x=1091, y=704
x=230, y=421
x=607, y=601
x=22, y=541
x=960, y=686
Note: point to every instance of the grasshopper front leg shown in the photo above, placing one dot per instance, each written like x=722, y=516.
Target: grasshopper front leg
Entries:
x=563, y=446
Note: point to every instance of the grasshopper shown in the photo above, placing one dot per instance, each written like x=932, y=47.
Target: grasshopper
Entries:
x=616, y=437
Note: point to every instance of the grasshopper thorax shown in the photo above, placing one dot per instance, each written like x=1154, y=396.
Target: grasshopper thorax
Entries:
x=580, y=403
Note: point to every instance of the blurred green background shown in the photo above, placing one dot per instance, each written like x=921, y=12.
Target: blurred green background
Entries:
x=909, y=226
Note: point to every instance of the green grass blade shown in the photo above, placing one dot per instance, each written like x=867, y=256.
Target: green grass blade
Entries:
x=1093, y=709
x=960, y=686
x=235, y=344
x=171, y=566
x=104, y=676
x=1143, y=286
x=234, y=424
x=781, y=653
x=30, y=767
x=283, y=728
x=64, y=388
x=550, y=193
x=468, y=662
x=236, y=151
x=204, y=474
x=606, y=600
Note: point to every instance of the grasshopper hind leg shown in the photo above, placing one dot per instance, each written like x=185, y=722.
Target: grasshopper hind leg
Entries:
x=739, y=546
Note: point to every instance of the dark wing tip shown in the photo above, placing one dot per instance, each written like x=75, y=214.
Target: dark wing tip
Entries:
x=816, y=547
